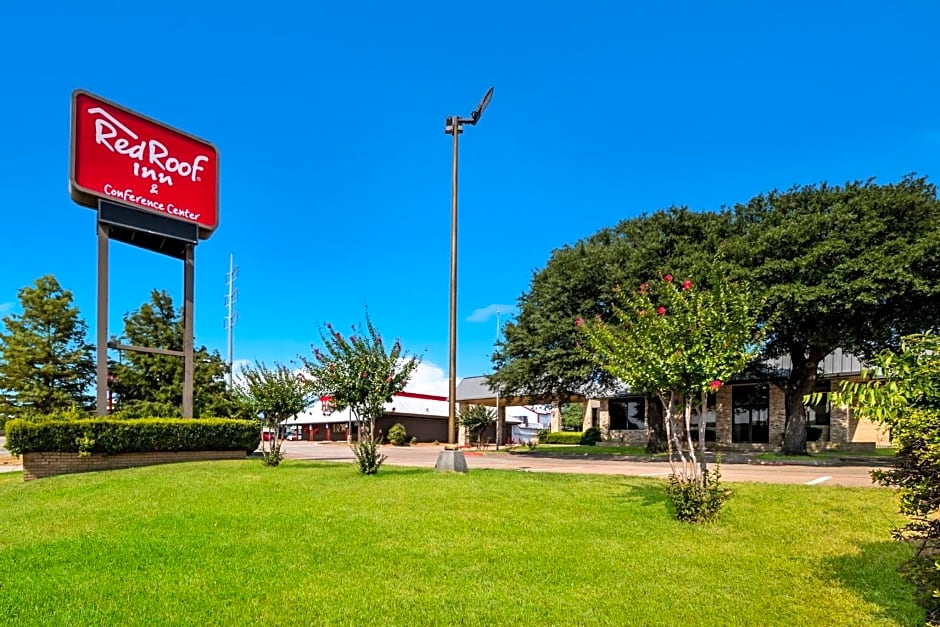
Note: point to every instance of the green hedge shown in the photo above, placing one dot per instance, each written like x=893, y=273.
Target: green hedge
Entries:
x=560, y=437
x=111, y=436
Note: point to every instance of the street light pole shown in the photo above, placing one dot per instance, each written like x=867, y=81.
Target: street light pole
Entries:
x=453, y=125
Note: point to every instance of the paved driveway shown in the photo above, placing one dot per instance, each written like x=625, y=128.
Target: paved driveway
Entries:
x=424, y=455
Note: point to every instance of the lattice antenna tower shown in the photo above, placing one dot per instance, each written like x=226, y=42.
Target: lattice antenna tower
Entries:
x=231, y=314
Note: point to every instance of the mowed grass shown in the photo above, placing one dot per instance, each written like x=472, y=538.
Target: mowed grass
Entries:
x=234, y=543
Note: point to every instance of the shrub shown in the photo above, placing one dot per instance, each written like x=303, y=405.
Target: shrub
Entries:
x=367, y=455
x=698, y=501
x=591, y=437
x=111, y=436
x=414, y=440
x=397, y=434
x=560, y=437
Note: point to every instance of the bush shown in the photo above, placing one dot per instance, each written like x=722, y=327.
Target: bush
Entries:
x=696, y=502
x=397, y=434
x=111, y=437
x=560, y=437
x=591, y=437
x=367, y=455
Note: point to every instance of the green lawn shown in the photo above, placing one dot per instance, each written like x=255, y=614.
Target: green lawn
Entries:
x=233, y=543
x=885, y=453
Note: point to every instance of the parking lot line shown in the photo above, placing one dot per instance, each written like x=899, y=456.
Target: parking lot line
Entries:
x=819, y=480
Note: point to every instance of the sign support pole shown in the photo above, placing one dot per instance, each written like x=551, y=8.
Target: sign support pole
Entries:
x=101, y=395
x=189, y=265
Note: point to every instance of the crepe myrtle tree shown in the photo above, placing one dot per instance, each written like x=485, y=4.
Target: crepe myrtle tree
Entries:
x=361, y=373
x=272, y=395
x=679, y=342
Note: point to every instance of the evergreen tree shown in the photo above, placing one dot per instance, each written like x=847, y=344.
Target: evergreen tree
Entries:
x=45, y=363
x=149, y=385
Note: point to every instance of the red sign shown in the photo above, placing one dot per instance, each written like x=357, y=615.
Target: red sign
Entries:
x=127, y=158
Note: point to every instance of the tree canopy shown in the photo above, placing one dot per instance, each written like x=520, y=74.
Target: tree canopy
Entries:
x=150, y=385
x=46, y=365
x=540, y=355
x=854, y=267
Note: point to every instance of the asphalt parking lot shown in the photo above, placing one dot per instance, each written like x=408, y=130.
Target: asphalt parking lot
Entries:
x=425, y=455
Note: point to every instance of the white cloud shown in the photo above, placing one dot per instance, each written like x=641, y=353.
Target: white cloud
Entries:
x=485, y=313
x=237, y=365
x=428, y=379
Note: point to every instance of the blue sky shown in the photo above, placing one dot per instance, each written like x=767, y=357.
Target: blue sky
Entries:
x=335, y=171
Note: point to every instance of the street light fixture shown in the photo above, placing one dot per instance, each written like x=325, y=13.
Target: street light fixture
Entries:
x=453, y=125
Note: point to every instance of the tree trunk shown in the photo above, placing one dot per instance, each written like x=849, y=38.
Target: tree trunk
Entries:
x=802, y=381
x=657, y=441
x=702, y=421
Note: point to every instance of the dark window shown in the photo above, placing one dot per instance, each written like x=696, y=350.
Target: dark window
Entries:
x=709, y=420
x=627, y=414
x=817, y=414
x=750, y=413
x=595, y=416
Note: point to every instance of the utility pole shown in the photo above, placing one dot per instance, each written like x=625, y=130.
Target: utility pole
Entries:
x=231, y=316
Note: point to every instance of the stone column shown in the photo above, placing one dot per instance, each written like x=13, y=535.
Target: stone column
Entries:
x=555, y=424
x=777, y=415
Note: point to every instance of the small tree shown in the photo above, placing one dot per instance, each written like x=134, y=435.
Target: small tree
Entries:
x=902, y=392
x=273, y=396
x=476, y=418
x=358, y=372
x=45, y=363
x=572, y=417
x=680, y=343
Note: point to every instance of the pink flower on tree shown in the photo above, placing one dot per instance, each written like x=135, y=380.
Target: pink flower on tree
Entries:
x=661, y=311
x=579, y=321
x=687, y=285
x=714, y=385
x=644, y=288
x=668, y=278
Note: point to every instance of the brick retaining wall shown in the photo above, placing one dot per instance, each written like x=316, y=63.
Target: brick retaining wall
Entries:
x=39, y=465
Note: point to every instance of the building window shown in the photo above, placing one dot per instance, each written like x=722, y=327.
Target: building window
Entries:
x=709, y=420
x=595, y=417
x=750, y=411
x=817, y=414
x=627, y=414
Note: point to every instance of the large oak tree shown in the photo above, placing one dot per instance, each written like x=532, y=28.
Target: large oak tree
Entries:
x=854, y=267
x=539, y=355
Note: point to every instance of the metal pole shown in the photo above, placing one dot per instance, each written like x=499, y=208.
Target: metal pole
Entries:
x=189, y=264
x=499, y=422
x=452, y=382
x=101, y=393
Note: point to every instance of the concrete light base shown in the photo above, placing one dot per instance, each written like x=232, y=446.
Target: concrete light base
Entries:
x=451, y=461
